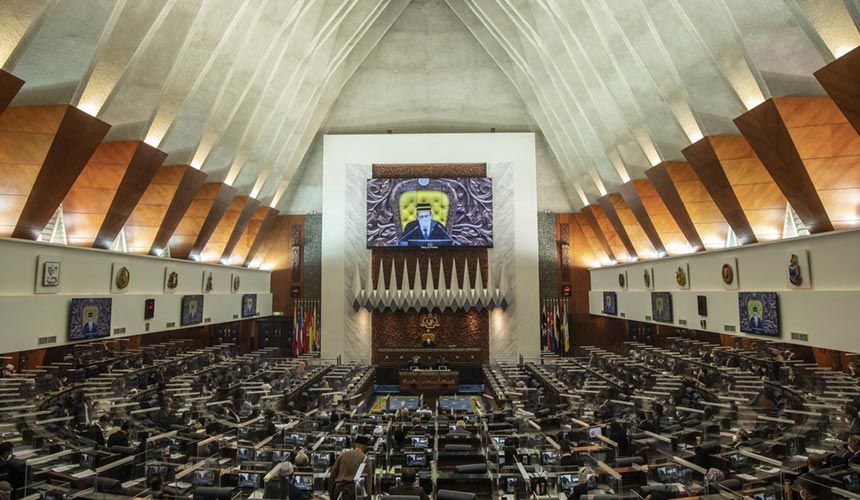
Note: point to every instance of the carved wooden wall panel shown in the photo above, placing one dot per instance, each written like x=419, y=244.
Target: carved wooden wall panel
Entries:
x=458, y=329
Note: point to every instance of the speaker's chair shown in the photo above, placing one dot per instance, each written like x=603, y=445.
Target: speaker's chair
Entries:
x=438, y=205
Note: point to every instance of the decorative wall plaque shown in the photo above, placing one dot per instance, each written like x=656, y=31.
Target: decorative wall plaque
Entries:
x=123, y=278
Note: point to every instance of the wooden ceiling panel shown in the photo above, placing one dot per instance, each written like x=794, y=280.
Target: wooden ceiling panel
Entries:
x=24, y=147
x=260, y=223
x=637, y=206
x=43, y=120
x=606, y=232
x=190, y=184
x=17, y=179
x=610, y=212
x=767, y=224
x=593, y=240
x=834, y=173
x=273, y=259
x=143, y=223
x=248, y=211
x=668, y=179
x=75, y=140
x=267, y=226
x=839, y=79
x=702, y=155
x=9, y=87
x=588, y=212
x=764, y=127
x=842, y=206
x=221, y=199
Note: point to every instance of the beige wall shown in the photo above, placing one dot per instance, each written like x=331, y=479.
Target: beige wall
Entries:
x=85, y=272
x=829, y=312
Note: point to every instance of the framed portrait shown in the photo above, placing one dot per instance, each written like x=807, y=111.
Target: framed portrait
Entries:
x=661, y=307
x=249, y=305
x=192, y=310
x=759, y=313
x=610, y=303
x=89, y=319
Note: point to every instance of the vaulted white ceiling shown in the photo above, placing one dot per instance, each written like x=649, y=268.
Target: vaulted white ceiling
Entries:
x=241, y=88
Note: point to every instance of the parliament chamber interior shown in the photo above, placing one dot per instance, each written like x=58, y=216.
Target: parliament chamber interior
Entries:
x=429, y=249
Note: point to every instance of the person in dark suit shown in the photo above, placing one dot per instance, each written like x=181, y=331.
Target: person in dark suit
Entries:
x=90, y=325
x=567, y=457
x=120, y=437
x=269, y=423
x=424, y=230
x=283, y=486
x=83, y=410
x=408, y=485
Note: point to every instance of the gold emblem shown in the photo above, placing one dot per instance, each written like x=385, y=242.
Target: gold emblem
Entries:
x=123, y=276
x=681, y=276
x=728, y=274
x=172, y=280
x=621, y=280
x=209, y=285
x=647, y=278
x=236, y=283
x=429, y=322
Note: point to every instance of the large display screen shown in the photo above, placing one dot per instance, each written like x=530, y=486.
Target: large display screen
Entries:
x=89, y=319
x=759, y=313
x=430, y=212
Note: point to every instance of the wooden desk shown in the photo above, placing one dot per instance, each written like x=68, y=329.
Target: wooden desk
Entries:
x=430, y=383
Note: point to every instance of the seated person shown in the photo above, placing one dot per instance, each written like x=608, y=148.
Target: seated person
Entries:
x=409, y=485
x=740, y=438
x=282, y=486
x=460, y=430
x=567, y=457
x=158, y=489
x=120, y=437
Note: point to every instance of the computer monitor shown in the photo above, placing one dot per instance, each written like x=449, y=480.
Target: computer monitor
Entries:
x=320, y=460
x=353, y=429
x=52, y=495
x=297, y=439
x=499, y=440
x=339, y=441
x=765, y=496
x=244, y=453
x=87, y=460
x=304, y=483
x=244, y=433
x=161, y=470
x=452, y=428
x=851, y=482
x=593, y=432
x=203, y=477
x=263, y=456
x=566, y=482
x=667, y=474
x=280, y=455
x=549, y=457
x=416, y=460
x=422, y=442
x=249, y=480
x=511, y=485
x=738, y=461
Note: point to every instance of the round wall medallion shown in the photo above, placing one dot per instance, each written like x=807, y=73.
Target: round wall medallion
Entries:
x=123, y=276
x=728, y=274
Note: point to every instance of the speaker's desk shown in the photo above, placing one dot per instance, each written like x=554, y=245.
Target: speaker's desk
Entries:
x=430, y=383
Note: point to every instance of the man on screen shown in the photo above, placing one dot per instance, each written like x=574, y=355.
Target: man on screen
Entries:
x=90, y=326
x=425, y=231
x=756, y=324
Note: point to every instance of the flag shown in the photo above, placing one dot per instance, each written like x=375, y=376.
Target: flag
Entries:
x=543, y=330
x=550, y=328
x=556, y=324
x=317, y=312
x=298, y=333
x=566, y=329
x=306, y=332
x=313, y=329
x=293, y=344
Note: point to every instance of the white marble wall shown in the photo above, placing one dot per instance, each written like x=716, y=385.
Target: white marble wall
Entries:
x=510, y=160
x=357, y=325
